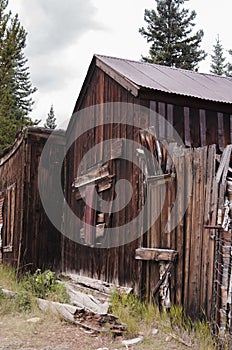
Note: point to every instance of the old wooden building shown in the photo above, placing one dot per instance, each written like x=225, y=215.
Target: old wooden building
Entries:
x=122, y=100
x=144, y=196
x=28, y=239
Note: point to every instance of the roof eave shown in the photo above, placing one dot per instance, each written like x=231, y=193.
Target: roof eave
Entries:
x=119, y=78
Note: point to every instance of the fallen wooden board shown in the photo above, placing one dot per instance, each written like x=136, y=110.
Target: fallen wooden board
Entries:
x=98, y=285
x=66, y=311
x=9, y=293
x=82, y=317
x=86, y=300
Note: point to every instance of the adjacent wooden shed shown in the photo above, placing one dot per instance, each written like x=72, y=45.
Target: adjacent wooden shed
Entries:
x=28, y=239
x=199, y=107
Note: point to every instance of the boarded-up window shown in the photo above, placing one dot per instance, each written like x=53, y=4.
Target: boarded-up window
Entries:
x=9, y=222
x=91, y=186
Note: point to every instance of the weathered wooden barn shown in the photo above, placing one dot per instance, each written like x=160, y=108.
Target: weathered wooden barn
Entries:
x=199, y=107
x=168, y=132
x=28, y=239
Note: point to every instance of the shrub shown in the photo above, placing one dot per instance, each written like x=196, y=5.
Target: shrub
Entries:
x=45, y=285
x=23, y=301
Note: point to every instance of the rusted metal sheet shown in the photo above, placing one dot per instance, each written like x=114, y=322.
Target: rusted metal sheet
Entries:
x=171, y=80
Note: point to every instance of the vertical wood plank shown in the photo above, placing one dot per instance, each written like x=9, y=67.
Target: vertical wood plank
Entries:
x=187, y=127
x=180, y=229
x=212, y=234
x=170, y=121
x=162, y=117
x=197, y=228
x=206, y=207
x=188, y=224
x=153, y=117
x=90, y=215
x=202, y=127
x=221, y=142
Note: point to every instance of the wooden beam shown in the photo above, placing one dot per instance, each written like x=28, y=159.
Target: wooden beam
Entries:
x=160, y=179
x=91, y=177
x=155, y=254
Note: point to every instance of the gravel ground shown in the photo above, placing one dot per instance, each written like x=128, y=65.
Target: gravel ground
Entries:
x=46, y=332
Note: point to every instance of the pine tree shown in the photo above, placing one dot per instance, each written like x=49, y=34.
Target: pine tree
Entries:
x=15, y=85
x=217, y=66
x=51, y=120
x=229, y=67
x=169, y=30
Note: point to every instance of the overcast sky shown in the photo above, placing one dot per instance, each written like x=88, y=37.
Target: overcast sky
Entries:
x=63, y=35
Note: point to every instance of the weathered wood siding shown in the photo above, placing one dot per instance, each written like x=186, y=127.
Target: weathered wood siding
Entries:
x=197, y=126
x=36, y=243
x=116, y=265
x=11, y=190
x=192, y=273
x=41, y=240
x=199, y=123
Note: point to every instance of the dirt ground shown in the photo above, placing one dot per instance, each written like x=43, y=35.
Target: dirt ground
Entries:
x=46, y=332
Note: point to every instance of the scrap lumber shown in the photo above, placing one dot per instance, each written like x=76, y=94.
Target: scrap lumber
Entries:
x=155, y=254
x=86, y=300
x=82, y=317
x=65, y=311
x=96, y=285
x=93, y=321
x=9, y=293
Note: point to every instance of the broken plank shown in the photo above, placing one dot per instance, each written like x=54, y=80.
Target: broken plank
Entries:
x=84, y=318
x=87, y=301
x=91, y=177
x=155, y=254
x=94, y=284
x=102, y=184
x=225, y=162
x=66, y=311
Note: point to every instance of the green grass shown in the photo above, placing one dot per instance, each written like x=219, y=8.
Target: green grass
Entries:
x=141, y=318
x=27, y=288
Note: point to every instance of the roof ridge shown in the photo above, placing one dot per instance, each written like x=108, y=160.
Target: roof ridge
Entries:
x=163, y=66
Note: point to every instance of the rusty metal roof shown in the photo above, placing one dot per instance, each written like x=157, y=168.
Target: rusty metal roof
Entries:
x=171, y=80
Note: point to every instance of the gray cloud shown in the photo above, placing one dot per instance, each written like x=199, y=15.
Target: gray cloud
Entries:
x=56, y=24
x=55, y=28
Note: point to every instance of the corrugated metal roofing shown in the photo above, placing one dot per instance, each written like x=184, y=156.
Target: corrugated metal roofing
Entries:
x=172, y=80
